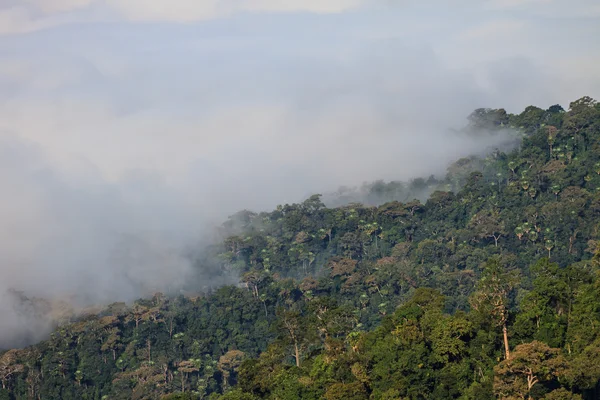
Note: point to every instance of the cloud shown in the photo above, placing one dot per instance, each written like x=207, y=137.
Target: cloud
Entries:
x=31, y=16
x=15, y=20
x=507, y=4
x=26, y=16
x=56, y=6
x=190, y=10
x=18, y=17
x=554, y=9
x=123, y=144
x=494, y=29
x=83, y=240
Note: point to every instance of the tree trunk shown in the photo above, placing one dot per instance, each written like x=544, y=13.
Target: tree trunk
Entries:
x=297, y=354
x=531, y=381
x=149, y=349
x=225, y=379
x=506, y=347
x=572, y=241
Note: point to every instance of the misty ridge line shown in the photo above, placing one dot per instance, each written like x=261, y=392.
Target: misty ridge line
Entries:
x=99, y=210
x=191, y=269
x=378, y=192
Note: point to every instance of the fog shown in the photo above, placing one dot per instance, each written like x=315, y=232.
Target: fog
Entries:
x=122, y=146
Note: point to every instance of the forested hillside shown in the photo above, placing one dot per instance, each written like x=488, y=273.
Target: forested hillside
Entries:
x=489, y=289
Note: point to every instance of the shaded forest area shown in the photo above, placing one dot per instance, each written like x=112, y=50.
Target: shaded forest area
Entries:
x=489, y=289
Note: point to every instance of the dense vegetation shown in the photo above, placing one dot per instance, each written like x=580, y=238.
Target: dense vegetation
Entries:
x=489, y=289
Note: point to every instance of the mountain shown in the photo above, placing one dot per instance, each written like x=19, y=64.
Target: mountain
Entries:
x=488, y=289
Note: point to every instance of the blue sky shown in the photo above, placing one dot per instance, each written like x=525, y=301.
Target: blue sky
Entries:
x=123, y=116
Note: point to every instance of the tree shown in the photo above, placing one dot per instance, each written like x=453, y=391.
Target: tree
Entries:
x=229, y=364
x=562, y=394
x=488, y=224
x=137, y=314
x=544, y=310
x=238, y=394
x=492, y=296
x=346, y=391
x=293, y=330
x=582, y=114
x=342, y=266
x=487, y=118
x=9, y=367
x=531, y=118
x=187, y=367
x=530, y=364
x=449, y=336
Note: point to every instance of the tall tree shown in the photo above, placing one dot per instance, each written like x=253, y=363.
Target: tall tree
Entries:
x=492, y=296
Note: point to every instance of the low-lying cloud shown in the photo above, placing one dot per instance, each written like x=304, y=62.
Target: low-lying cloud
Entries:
x=121, y=146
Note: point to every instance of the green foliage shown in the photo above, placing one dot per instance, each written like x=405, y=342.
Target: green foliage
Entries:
x=489, y=288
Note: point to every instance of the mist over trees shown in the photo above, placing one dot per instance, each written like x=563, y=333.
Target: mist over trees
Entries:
x=488, y=288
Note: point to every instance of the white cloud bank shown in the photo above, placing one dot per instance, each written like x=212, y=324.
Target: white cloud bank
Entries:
x=121, y=143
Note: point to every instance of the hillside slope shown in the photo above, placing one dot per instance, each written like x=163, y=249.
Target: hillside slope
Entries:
x=489, y=289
